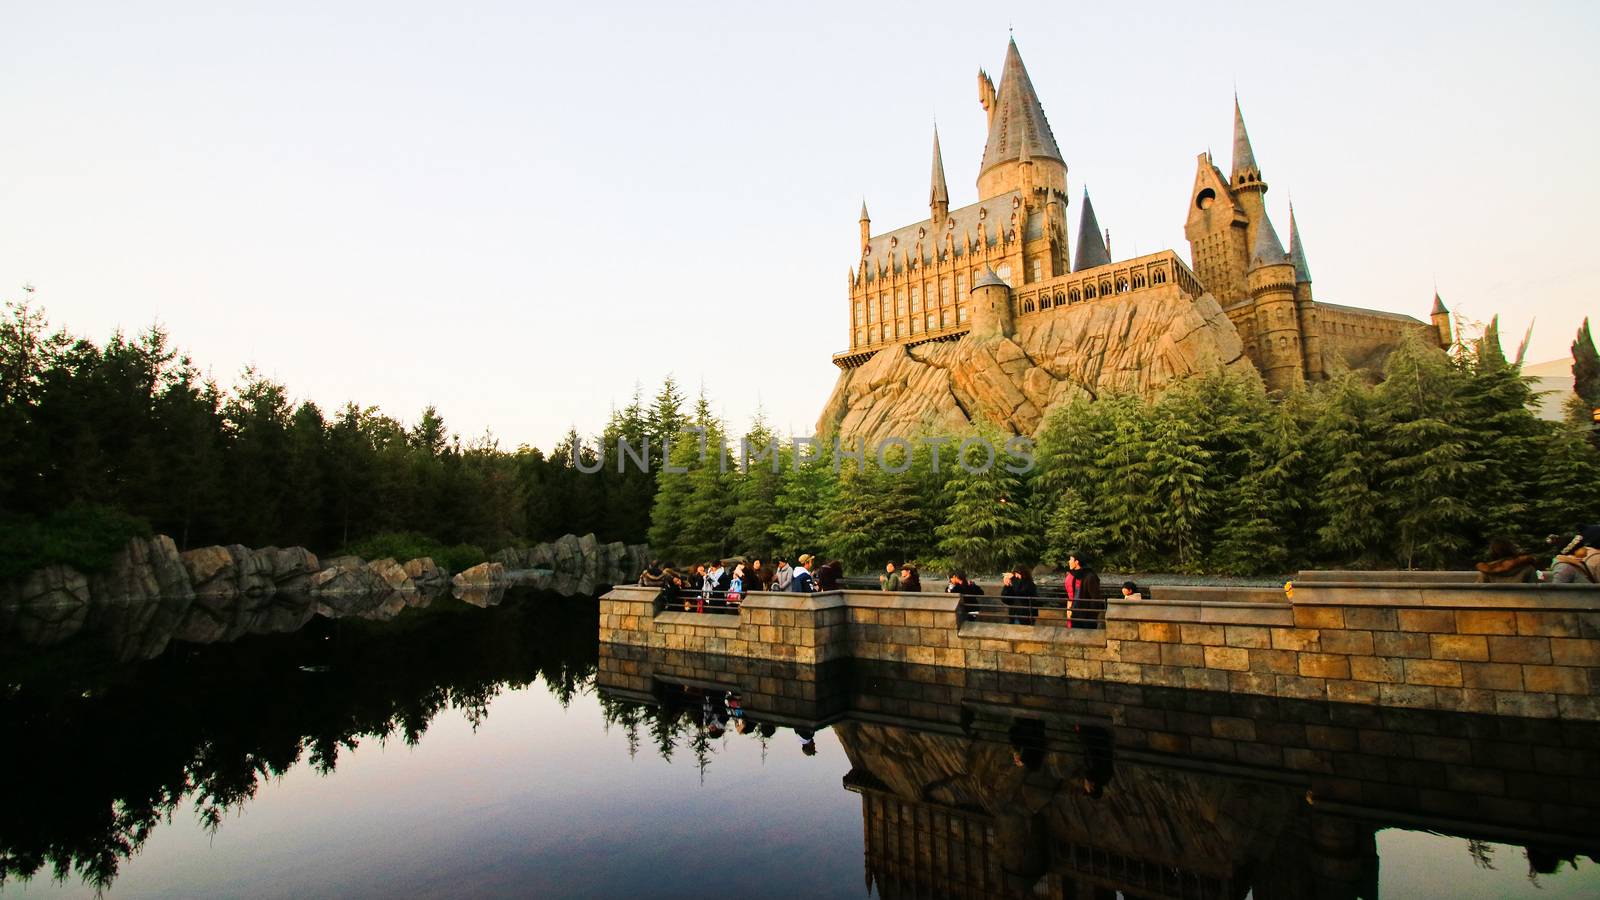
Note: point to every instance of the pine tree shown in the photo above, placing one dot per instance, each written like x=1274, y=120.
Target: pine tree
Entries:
x=875, y=516
x=1348, y=502
x=806, y=490
x=987, y=523
x=755, y=492
x=1586, y=367
x=1429, y=468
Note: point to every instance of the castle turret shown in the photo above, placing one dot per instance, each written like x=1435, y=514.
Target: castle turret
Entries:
x=1017, y=128
x=1092, y=250
x=866, y=227
x=938, y=193
x=1441, y=321
x=1279, y=354
x=990, y=306
x=1248, y=188
x=1217, y=228
x=1305, y=306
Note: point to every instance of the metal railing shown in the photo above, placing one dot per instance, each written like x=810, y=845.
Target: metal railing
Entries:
x=1047, y=611
x=713, y=603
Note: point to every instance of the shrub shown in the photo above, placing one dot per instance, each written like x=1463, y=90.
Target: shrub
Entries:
x=404, y=545
x=82, y=536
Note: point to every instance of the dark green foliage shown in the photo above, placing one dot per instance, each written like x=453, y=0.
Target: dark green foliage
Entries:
x=988, y=522
x=407, y=545
x=83, y=536
x=132, y=425
x=1586, y=367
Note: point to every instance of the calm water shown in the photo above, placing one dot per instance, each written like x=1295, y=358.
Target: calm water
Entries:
x=458, y=751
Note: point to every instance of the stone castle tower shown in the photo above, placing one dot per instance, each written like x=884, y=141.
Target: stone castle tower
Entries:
x=921, y=284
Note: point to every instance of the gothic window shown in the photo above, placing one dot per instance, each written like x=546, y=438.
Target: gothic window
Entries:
x=944, y=289
x=858, y=314
x=1027, y=305
x=1061, y=298
x=899, y=303
x=1038, y=270
x=963, y=313
x=1004, y=272
x=1138, y=281
x=872, y=313
x=897, y=331
x=916, y=298
x=1088, y=292
x=1073, y=296
x=861, y=337
x=1159, y=277
x=932, y=322
x=1122, y=285
x=1105, y=288
x=961, y=285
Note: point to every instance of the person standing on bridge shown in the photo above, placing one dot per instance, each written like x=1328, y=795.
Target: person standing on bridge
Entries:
x=802, y=582
x=1084, y=603
x=782, y=575
x=890, y=579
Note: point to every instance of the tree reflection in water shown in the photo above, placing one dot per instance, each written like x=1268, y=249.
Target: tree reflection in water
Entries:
x=97, y=756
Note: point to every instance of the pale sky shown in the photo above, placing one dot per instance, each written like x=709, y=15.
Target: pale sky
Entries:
x=517, y=211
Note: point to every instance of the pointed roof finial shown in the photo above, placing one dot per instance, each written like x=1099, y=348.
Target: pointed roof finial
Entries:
x=1438, y=304
x=937, y=191
x=1268, y=250
x=1018, y=120
x=1297, y=251
x=1092, y=250
x=864, y=216
x=1244, y=158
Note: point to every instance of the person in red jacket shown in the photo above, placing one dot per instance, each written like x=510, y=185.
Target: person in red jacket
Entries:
x=1086, y=606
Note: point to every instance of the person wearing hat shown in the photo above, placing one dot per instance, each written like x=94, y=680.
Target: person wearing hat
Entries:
x=802, y=582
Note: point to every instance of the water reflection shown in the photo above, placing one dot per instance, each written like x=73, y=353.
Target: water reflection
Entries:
x=969, y=784
x=109, y=754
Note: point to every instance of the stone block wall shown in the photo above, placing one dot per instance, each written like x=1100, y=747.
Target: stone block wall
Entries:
x=1512, y=650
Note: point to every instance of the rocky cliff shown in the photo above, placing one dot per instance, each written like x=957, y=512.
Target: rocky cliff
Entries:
x=1138, y=343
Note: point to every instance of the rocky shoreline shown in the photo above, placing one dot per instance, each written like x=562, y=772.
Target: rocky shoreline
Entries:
x=153, y=594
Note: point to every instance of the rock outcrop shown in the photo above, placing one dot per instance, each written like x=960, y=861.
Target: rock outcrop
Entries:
x=572, y=564
x=1013, y=383
x=47, y=607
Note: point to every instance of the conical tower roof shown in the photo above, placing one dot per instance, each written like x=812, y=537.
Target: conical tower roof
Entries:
x=1438, y=306
x=864, y=216
x=987, y=278
x=1019, y=120
x=937, y=191
x=1297, y=251
x=1244, y=157
x=1268, y=250
x=1091, y=245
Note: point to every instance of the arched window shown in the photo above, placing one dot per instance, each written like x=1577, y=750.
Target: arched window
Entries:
x=916, y=298
x=933, y=321
x=1088, y=292
x=1160, y=277
x=961, y=286
x=1105, y=288
x=963, y=313
x=1073, y=296
x=1004, y=273
x=1138, y=281
x=1038, y=271
x=858, y=313
x=1122, y=285
x=1061, y=299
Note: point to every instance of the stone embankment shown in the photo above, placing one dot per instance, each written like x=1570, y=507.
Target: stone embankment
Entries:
x=152, y=593
x=1520, y=650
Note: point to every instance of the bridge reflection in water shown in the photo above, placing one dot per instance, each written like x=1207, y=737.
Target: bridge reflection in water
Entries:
x=990, y=784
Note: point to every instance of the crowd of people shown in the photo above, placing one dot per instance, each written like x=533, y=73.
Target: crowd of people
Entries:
x=721, y=585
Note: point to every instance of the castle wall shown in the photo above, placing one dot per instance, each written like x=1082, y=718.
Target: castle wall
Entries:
x=1364, y=337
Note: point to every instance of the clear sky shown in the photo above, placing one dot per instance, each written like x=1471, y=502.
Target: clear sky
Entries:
x=518, y=211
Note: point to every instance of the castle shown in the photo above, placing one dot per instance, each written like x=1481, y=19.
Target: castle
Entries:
x=1001, y=268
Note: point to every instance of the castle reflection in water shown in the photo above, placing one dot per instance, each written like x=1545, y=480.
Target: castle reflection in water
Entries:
x=987, y=784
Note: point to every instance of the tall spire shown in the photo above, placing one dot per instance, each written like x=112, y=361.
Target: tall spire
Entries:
x=1268, y=250
x=938, y=193
x=1297, y=251
x=1244, y=158
x=1438, y=305
x=1016, y=120
x=864, y=216
x=1091, y=245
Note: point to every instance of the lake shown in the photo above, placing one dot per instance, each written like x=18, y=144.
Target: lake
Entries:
x=462, y=751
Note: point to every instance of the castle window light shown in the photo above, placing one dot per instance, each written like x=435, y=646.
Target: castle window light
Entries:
x=933, y=322
x=899, y=303
x=916, y=298
x=1038, y=270
x=944, y=290
x=858, y=312
x=1122, y=284
x=1004, y=274
x=961, y=285
x=963, y=314
x=897, y=328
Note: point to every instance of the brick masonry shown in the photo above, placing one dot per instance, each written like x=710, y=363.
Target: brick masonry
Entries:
x=1512, y=650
